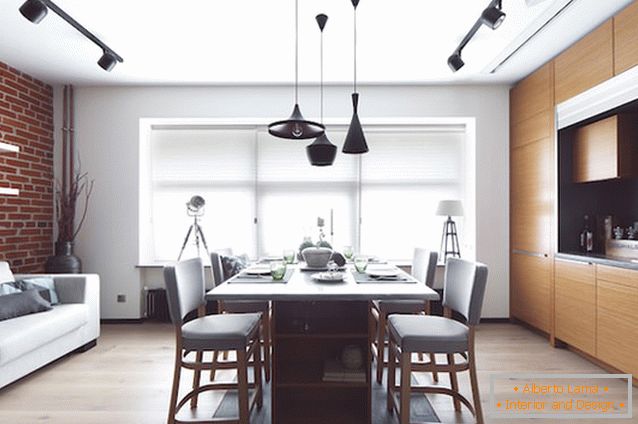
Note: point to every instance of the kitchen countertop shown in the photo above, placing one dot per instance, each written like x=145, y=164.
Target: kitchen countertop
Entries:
x=600, y=259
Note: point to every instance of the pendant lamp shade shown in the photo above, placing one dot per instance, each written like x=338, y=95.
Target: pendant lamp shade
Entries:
x=355, y=139
x=296, y=127
x=321, y=152
x=355, y=142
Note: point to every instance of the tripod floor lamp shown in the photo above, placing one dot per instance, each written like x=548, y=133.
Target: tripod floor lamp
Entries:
x=450, y=239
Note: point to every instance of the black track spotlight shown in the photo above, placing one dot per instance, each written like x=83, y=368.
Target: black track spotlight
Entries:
x=455, y=62
x=34, y=10
x=107, y=61
x=493, y=17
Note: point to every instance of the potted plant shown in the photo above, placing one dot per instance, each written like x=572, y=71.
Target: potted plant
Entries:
x=74, y=185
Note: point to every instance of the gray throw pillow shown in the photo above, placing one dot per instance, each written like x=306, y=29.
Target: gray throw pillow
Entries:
x=44, y=282
x=23, y=303
x=24, y=285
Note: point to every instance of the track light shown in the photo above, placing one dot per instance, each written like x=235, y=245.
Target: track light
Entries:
x=107, y=61
x=455, y=62
x=36, y=10
x=492, y=17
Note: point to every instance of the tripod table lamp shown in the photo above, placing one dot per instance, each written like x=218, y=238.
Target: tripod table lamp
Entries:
x=450, y=238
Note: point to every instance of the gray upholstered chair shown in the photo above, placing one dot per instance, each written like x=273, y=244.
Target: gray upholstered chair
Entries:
x=463, y=292
x=423, y=270
x=237, y=332
x=240, y=307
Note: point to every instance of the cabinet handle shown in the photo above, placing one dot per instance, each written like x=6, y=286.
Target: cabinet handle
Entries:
x=528, y=253
x=574, y=261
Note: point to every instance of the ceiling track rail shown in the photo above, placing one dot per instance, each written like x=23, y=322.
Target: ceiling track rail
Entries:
x=534, y=34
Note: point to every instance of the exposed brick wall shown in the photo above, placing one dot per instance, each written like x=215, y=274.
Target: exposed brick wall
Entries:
x=26, y=120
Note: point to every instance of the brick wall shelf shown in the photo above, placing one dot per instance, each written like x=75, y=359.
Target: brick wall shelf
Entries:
x=8, y=148
x=5, y=191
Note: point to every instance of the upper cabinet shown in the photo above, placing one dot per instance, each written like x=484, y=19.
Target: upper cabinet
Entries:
x=606, y=149
x=626, y=38
x=585, y=64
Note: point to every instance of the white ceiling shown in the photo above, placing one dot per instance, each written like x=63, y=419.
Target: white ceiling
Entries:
x=252, y=41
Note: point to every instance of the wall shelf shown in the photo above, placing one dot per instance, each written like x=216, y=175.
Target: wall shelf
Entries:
x=9, y=148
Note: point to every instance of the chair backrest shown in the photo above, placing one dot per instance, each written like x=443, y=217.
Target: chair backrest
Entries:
x=464, y=288
x=216, y=268
x=424, y=265
x=184, y=288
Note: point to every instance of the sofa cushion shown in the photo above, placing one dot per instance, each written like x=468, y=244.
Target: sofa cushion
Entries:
x=45, y=285
x=23, y=303
x=8, y=288
x=19, y=336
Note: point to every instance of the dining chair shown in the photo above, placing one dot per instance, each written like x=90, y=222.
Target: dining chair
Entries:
x=463, y=292
x=423, y=270
x=185, y=289
x=240, y=307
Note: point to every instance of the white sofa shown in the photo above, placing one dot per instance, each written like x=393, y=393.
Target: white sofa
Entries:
x=32, y=341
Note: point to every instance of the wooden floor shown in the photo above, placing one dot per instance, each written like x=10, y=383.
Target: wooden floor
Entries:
x=126, y=378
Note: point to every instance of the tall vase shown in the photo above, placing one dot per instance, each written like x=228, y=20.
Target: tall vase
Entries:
x=64, y=261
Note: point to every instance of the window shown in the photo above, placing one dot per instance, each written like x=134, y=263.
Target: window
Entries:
x=262, y=196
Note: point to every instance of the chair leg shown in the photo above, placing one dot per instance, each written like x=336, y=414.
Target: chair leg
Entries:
x=199, y=356
x=435, y=375
x=265, y=323
x=381, y=345
x=175, y=389
x=406, y=375
x=474, y=382
x=391, y=375
x=213, y=367
x=257, y=365
x=454, y=381
x=242, y=385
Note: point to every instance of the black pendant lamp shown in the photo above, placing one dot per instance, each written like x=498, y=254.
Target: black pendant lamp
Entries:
x=321, y=152
x=355, y=139
x=296, y=127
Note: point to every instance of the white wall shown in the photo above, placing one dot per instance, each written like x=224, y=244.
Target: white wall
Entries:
x=107, y=130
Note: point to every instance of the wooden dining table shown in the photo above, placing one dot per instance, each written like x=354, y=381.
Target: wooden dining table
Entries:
x=313, y=323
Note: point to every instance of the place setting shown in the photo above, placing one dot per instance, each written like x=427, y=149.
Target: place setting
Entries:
x=365, y=272
x=275, y=271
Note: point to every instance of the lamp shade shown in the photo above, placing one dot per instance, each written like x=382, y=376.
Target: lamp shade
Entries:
x=355, y=142
x=296, y=127
x=321, y=152
x=450, y=208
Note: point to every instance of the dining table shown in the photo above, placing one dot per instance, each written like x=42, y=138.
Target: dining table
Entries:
x=321, y=336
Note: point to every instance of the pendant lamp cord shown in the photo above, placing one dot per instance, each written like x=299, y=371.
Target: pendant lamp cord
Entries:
x=355, y=49
x=296, y=51
x=321, y=75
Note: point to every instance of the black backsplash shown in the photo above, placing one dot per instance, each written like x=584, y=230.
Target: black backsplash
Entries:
x=617, y=197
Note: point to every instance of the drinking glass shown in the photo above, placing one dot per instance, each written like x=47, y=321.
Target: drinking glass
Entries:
x=348, y=252
x=289, y=256
x=277, y=270
x=361, y=263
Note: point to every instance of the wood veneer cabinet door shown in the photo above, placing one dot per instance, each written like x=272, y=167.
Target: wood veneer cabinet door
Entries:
x=575, y=304
x=626, y=38
x=617, y=325
x=531, y=196
x=532, y=95
x=530, y=289
x=585, y=64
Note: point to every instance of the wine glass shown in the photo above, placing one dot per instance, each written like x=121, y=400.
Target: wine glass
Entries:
x=361, y=263
x=348, y=252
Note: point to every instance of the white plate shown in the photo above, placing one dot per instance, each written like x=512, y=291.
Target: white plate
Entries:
x=383, y=272
x=328, y=277
x=257, y=270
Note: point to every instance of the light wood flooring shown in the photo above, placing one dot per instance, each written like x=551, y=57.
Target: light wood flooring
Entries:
x=126, y=378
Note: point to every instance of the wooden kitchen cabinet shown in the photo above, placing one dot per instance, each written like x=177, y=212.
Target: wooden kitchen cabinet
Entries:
x=606, y=149
x=530, y=289
x=585, y=64
x=617, y=318
x=626, y=38
x=532, y=95
x=575, y=304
